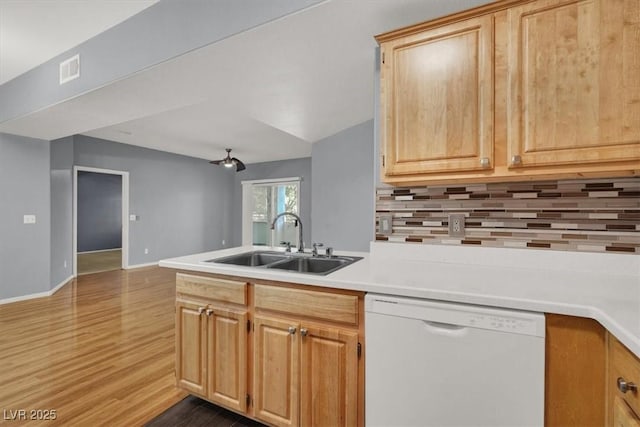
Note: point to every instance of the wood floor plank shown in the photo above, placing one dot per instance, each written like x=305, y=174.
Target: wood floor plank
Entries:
x=101, y=351
x=95, y=262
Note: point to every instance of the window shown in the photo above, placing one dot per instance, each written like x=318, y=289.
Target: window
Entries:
x=262, y=200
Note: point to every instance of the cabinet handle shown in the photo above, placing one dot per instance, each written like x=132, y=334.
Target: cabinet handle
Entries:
x=201, y=310
x=292, y=330
x=303, y=332
x=624, y=386
x=209, y=312
x=516, y=160
x=484, y=162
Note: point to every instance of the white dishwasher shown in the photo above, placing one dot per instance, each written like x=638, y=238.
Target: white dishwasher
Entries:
x=434, y=363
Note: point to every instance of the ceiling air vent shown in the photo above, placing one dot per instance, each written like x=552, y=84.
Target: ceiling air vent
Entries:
x=70, y=69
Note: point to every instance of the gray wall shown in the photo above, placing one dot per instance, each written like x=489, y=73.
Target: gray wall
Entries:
x=61, y=210
x=273, y=170
x=163, y=31
x=24, y=189
x=342, y=190
x=99, y=211
x=183, y=203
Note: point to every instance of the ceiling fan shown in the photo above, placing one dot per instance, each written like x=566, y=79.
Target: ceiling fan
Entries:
x=230, y=162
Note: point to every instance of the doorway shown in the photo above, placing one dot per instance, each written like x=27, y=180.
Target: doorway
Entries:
x=100, y=208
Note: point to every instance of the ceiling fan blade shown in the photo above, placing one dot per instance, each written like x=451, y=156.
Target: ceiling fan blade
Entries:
x=239, y=165
x=215, y=162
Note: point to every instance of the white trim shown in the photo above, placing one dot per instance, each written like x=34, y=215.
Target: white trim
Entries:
x=37, y=295
x=271, y=181
x=125, y=212
x=61, y=284
x=247, y=231
x=148, y=264
x=100, y=250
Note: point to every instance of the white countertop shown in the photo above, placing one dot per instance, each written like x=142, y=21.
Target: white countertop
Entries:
x=605, y=287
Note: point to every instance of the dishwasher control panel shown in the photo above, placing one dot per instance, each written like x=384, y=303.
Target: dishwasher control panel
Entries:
x=503, y=323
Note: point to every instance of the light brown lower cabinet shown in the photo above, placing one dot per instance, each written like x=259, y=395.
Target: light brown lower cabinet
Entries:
x=623, y=385
x=305, y=374
x=575, y=366
x=329, y=376
x=276, y=371
x=191, y=348
x=211, y=356
x=283, y=354
x=591, y=378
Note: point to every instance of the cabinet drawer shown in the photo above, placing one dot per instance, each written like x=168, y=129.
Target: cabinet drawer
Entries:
x=212, y=288
x=627, y=366
x=623, y=416
x=322, y=305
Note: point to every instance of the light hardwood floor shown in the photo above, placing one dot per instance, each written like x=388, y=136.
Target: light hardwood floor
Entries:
x=95, y=262
x=98, y=352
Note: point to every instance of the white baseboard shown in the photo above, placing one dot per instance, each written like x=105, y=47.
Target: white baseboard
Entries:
x=37, y=295
x=148, y=264
x=57, y=287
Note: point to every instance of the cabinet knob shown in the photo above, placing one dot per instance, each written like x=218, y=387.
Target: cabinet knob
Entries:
x=624, y=386
x=292, y=330
x=201, y=310
x=516, y=160
x=303, y=332
x=484, y=162
x=209, y=312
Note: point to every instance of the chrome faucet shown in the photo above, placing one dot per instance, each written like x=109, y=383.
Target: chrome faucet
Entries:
x=300, y=242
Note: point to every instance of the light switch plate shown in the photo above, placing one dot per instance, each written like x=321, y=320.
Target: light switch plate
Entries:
x=29, y=219
x=385, y=225
x=133, y=217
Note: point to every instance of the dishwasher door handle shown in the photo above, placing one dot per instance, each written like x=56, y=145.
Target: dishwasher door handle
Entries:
x=446, y=329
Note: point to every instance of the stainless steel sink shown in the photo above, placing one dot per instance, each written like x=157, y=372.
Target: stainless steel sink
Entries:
x=295, y=262
x=313, y=265
x=252, y=259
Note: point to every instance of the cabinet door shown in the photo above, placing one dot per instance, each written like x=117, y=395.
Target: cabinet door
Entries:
x=276, y=371
x=227, y=358
x=623, y=416
x=329, y=377
x=191, y=348
x=437, y=99
x=573, y=90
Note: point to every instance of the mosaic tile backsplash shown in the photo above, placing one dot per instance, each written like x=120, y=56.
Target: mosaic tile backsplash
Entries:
x=573, y=215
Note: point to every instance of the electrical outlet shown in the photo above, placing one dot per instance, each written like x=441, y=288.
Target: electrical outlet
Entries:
x=146, y=251
x=456, y=225
x=65, y=263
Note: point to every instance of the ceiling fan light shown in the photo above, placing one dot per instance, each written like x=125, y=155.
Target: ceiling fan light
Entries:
x=229, y=162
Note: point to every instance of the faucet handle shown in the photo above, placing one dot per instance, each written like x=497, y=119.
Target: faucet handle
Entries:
x=314, y=251
x=288, y=244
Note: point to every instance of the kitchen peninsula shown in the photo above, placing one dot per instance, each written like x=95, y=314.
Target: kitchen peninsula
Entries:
x=582, y=286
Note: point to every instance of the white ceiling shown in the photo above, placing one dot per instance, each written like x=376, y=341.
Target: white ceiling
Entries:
x=267, y=93
x=34, y=31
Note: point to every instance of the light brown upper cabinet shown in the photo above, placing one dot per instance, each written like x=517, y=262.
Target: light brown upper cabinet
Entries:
x=513, y=90
x=437, y=99
x=574, y=82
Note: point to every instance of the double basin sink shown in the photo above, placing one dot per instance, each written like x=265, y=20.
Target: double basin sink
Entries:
x=299, y=263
